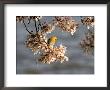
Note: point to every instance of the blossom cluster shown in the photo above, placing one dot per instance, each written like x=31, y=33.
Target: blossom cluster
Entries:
x=21, y=18
x=66, y=24
x=47, y=28
x=36, y=42
x=88, y=43
x=88, y=21
x=34, y=17
x=54, y=54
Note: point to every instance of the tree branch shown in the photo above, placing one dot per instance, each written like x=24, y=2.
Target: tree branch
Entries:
x=26, y=27
x=35, y=26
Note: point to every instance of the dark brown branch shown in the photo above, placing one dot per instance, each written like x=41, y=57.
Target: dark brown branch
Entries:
x=29, y=20
x=35, y=25
x=26, y=27
x=39, y=24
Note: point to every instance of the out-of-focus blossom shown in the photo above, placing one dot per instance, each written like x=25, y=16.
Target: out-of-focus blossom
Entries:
x=48, y=28
x=20, y=18
x=34, y=17
x=66, y=24
x=87, y=44
x=88, y=21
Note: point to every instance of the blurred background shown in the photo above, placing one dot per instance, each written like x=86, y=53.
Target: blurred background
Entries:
x=78, y=63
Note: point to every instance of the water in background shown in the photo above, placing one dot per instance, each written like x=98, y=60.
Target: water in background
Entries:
x=78, y=63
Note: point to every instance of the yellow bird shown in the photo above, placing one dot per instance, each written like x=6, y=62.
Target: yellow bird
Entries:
x=52, y=40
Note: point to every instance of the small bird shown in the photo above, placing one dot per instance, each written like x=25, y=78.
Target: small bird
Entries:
x=52, y=40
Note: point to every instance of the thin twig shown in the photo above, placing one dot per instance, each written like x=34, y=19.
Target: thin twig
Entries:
x=29, y=20
x=39, y=23
x=35, y=26
x=26, y=28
